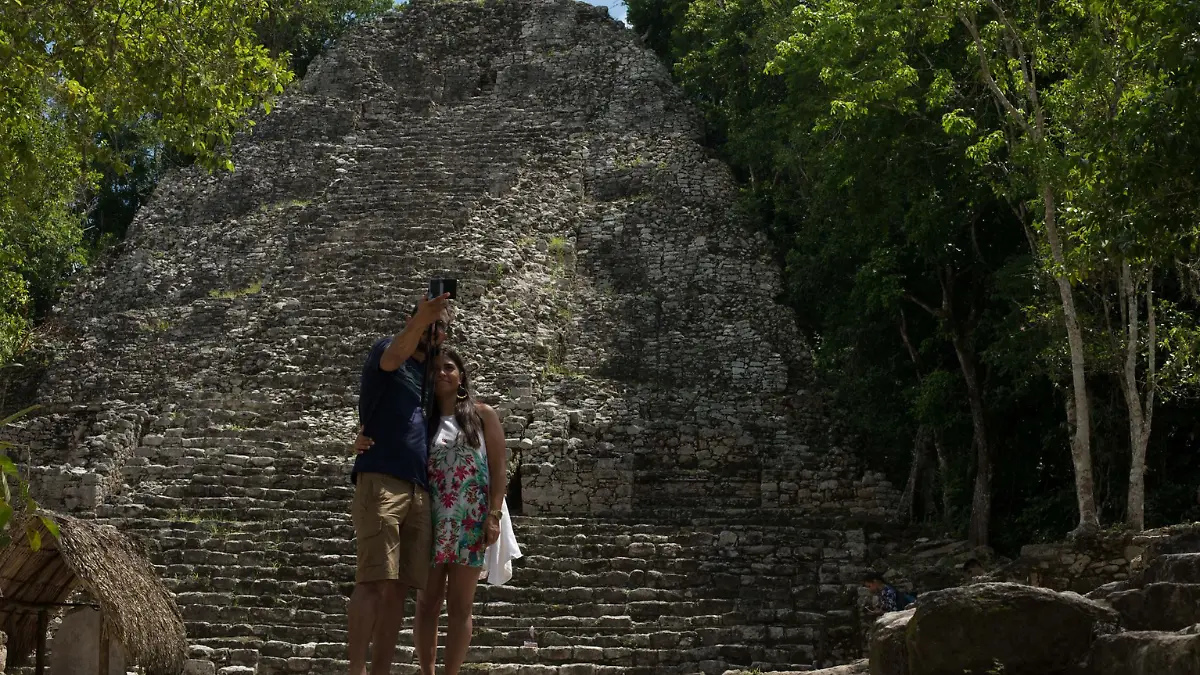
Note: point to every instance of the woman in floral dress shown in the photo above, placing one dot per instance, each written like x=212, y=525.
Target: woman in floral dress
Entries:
x=467, y=482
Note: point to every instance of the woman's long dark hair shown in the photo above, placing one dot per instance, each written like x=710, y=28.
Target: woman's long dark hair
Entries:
x=469, y=423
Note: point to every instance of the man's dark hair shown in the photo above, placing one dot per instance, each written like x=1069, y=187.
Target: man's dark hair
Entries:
x=873, y=576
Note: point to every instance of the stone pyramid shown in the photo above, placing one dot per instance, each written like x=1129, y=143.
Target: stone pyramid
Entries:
x=670, y=454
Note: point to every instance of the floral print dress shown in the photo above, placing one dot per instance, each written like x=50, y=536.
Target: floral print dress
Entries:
x=458, y=491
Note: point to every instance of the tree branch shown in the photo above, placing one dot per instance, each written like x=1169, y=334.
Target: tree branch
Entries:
x=923, y=305
x=975, y=240
x=912, y=351
x=990, y=80
x=1028, y=75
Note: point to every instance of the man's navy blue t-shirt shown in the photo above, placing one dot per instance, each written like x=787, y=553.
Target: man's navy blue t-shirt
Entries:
x=389, y=408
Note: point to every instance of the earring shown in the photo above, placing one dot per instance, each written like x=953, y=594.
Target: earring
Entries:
x=462, y=394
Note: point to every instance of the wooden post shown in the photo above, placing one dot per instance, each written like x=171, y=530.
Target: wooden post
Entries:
x=102, y=668
x=43, y=625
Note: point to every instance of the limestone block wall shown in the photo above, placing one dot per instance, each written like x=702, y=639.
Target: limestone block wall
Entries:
x=620, y=315
x=73, y=453
x=1082, y=565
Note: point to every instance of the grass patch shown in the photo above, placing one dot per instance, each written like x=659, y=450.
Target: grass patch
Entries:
x=252, y=289
x=279, y=206
x=155, y=326
x=560, y=370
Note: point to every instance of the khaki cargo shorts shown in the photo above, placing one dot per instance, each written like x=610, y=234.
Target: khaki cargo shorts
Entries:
x=394, y=528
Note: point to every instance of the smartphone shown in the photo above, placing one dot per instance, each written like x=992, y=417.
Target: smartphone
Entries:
x=440, y=286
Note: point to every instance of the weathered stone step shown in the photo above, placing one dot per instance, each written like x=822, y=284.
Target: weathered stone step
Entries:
x=586, y=527
x=1159, y=606
x=345, y=555
x=290, y=640
x=250, y=579
x=674, y=657
x=249, y=469
x=296, y=582
x=271, y=666
x=172, y=520
x=534, y=540
x=1180, y=568
x=222, y=514
x=336, y=665
x=274, y=593
x=624, y=629
x=239, y=610
x=229, y=536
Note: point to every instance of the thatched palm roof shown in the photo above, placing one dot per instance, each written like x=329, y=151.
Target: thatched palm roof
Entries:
x=139, y=611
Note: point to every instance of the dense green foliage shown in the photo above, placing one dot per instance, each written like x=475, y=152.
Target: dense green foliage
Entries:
x=98, y=99
x=916, y=163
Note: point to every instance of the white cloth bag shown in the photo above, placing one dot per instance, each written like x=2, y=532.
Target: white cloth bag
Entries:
x=497, y=561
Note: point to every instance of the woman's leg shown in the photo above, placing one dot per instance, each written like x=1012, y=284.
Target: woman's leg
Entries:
x=460, y=596
x=425, y=620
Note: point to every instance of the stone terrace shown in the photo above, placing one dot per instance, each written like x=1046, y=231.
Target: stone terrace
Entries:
x=686, y=503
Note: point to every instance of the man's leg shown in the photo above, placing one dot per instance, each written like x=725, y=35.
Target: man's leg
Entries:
x=425, y=621
x=376, y=512
x=387, y=626
x=460, y=596
x=361, y=612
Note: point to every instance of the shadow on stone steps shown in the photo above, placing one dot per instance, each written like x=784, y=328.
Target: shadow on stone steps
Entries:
x=856, y=668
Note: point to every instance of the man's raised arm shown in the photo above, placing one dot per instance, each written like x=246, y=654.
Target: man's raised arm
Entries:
x=406, y=341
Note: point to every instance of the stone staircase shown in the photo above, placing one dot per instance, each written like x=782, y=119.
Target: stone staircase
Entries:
x=205, y=395
x=254, y=538
x=1165, y=598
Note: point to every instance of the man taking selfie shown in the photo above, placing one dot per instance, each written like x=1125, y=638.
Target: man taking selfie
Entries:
x=391, y=510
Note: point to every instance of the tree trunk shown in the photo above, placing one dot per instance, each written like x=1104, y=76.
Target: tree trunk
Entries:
x=918, y=478
x=1079, y=411
x=907, y=500
x=981, y=501
x=1081, y=420
x=1140, y=411
x=943, y=472
x=1135, y=505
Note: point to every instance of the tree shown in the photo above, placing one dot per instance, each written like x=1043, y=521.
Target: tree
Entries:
x=1012, y=64
x=892, y=100
x=935, y=200
x=925, y=239
x=303, y=28
x=1131, y=209
x=71, y=76
x=1085, y=90
x=99, y=99
x=1076, y=140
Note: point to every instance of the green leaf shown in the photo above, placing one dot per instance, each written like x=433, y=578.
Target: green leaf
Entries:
x=18, y=415
x=8, y=466
x=51, y=526
x=35, y=538
x=6, y=514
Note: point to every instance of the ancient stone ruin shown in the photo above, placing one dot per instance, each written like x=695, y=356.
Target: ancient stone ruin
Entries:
x=686, y=505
